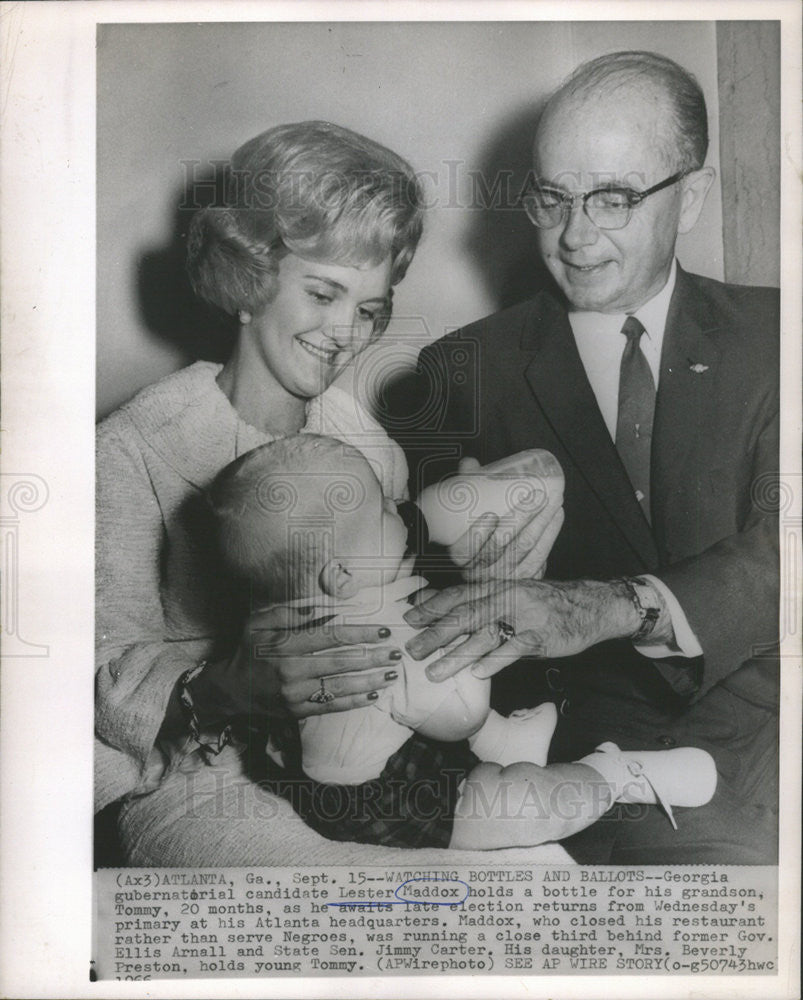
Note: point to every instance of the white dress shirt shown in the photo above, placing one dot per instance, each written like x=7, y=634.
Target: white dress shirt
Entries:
x=601, y=343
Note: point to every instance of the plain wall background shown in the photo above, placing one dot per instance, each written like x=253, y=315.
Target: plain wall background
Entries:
x=452, y=98
x=749, y=61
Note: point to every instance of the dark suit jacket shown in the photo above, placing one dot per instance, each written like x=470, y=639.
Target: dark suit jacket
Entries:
x=515, y=381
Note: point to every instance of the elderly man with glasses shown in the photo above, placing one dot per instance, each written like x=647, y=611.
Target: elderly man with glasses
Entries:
x=657, y=391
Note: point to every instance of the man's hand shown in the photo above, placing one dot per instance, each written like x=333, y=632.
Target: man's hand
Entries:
x=507, y=547
x=492, y=550
x=550, y=620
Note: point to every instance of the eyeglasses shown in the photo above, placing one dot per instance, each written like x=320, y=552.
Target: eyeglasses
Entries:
x=607, y=208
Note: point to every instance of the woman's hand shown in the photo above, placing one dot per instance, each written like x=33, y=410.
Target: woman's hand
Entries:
x=282, y=661
x=548, y=620
x=497, y=548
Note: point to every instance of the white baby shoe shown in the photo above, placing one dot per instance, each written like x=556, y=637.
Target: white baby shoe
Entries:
x=683, y=776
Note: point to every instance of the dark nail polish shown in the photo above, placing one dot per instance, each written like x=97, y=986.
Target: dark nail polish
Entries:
x=391, y=675
x=307, y=610
x=384, y=633
x=373, y=696
x=395, y=654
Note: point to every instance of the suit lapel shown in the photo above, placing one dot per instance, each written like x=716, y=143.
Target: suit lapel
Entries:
x=684, y=410
x=556, y=376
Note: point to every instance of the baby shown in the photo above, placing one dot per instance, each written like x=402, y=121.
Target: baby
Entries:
x=428, y=764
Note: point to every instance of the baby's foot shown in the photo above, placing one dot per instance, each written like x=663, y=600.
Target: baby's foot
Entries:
x=524, y=736
x=684, y=776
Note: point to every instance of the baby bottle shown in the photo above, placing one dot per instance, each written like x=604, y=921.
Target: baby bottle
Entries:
x=516, y=488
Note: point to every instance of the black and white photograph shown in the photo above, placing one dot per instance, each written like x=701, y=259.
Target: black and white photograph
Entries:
x=445, y=507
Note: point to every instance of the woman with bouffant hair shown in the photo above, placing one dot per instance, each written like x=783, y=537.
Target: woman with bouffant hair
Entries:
x=315, y=190
x=317, y=225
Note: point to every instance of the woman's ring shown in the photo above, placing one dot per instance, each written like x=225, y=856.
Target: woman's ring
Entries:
x=504, y=631
x=321, y=696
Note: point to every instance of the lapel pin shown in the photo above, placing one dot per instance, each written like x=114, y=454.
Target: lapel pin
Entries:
x=696, y=367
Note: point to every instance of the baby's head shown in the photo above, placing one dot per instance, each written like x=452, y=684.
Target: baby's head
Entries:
x=305, y=516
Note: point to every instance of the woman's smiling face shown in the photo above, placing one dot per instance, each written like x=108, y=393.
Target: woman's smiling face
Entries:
x=320, y=317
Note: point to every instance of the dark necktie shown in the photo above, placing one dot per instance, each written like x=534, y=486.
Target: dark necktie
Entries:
x=636, y=409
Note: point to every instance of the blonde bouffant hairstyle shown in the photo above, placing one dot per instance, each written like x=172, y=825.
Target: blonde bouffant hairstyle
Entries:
x=313, y=189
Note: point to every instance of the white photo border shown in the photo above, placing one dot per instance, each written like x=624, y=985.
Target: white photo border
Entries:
x=48, y=303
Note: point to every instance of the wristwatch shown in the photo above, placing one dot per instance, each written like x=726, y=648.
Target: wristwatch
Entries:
x=642, y=595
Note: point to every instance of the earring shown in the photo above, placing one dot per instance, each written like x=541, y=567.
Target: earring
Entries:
x=244, y=316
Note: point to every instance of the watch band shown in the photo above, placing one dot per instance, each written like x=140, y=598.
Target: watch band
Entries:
x=647, y=613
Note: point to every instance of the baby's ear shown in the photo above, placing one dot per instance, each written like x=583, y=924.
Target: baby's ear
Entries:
x=336, y=580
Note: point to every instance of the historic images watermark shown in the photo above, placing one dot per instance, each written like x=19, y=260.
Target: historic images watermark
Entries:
x=21, y=495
